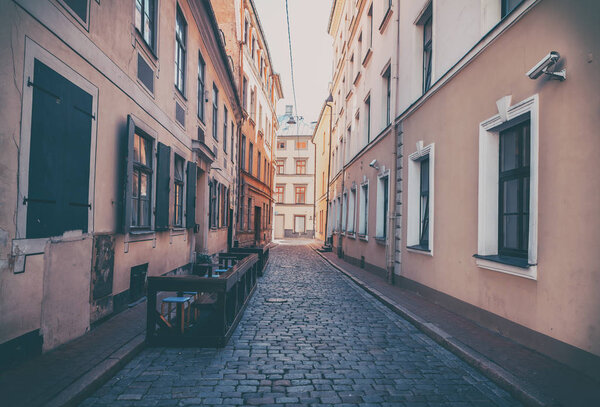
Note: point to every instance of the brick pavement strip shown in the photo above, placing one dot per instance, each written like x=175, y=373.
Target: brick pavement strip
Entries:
x=330, y=343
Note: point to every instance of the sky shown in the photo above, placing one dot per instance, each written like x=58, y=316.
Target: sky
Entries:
x=311, y=50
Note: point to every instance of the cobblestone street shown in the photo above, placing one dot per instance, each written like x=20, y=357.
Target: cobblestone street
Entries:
x=329, y=344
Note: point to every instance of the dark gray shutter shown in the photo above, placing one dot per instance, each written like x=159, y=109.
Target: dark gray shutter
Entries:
x=59, y=160
x=127, y=174
x=163, y=181
x=190, y=205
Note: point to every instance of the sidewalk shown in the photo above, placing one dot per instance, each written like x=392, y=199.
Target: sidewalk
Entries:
x=529, y=376
x=65, y=375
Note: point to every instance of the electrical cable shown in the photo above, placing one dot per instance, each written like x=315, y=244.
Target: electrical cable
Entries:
x=287, y=15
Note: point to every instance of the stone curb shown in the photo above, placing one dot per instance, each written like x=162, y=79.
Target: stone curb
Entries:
x=77, y=391
x=488, y=368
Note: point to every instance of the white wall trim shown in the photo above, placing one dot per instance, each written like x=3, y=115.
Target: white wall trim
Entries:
x=487, y=237
x=379, y=220
x=413, y=201
x=530, y=272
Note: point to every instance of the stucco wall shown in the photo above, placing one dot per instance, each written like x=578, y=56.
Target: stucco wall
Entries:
x=563, y=303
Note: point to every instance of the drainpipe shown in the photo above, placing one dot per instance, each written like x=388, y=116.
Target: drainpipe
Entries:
x=391, y=245
x=340, y=251
x=329, y=102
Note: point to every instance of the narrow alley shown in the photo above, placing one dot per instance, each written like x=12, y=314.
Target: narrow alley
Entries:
x=329, y=343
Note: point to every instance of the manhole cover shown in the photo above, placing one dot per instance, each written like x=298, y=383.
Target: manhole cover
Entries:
x=276, y=300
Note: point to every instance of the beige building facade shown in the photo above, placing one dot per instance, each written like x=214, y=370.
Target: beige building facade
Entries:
x=260, y=91
x=362, y=170
x=498, y=201
x=490, y=202
x=115, y=117
x=294, y=193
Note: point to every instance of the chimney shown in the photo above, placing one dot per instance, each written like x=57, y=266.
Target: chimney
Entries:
x=289, y=110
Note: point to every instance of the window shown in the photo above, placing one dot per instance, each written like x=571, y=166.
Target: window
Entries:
x=427, y=51
x=351, y=210
x=424, y=204
x=79, y=8
x=280, y=167
x=212, y=204
x=142, y=182
x=243, y=155
x=301, y=167
x=266, y=174
x=382, y=206
x=258, y=161
x=370, y=22
x=201, y=71
x=215, y=112
x=281, y=145
x=252, y=104
x=180, y=50
x=245, y=31
x=225, y=129
x=232, y=141
x=249, y=225
x=508, y=190
x=344, y=211
x=420, y=200
x=301, y=145
x=387, y=91
x=144, y=20
x=363, y=218
x=508, y=6
x=279, y=193
x=368, y=118
x=300, y=194
x=245, y=93
x=253, y=49
x=178, y=183
x=513, y=192
x=251, y=158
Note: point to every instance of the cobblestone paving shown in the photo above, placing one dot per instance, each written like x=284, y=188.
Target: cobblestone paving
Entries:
x=329, y=344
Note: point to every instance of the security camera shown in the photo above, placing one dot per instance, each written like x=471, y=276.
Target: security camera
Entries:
x=546, y=63
x=373, y=164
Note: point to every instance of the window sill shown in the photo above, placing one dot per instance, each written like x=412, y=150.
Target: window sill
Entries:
x=351, y=235
x=419, y=249
x=381, y=240
x=149, y=51
x=367, y=57
x=386, y=20
x=180, y=95
x=509, y=265
x=357, y=78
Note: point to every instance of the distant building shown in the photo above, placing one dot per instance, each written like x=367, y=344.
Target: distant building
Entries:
x=322, y=142
x=294, y=178
x=260, y=90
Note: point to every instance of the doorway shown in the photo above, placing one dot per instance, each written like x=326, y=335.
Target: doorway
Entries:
x=279, y=226
x=257, y=223
x=299, y=224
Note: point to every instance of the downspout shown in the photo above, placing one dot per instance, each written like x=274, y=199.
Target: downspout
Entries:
x=330, y=104
x=340, y=251
x=391, y=244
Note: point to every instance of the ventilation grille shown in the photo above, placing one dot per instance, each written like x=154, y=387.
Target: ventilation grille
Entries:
x=179, y=114
x=145, y=74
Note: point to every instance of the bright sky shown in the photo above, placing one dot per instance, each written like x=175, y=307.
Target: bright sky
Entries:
x=311, y=50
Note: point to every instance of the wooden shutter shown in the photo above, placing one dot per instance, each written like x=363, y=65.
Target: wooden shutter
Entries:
x=127, y=174
x=190, y=214
x=163, y=181
x=59, y=160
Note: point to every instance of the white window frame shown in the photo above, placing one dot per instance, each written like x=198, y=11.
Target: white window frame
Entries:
x=21, y=245
x=351, y=226
x=413, y=200
x=363, y=218
x=487, y=236
x=344, y=211
x=379, y=222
